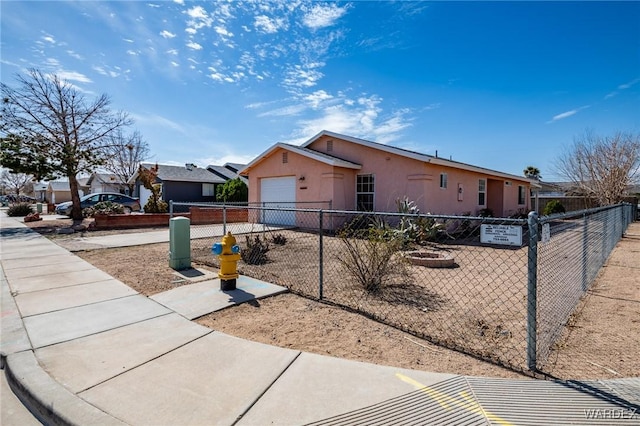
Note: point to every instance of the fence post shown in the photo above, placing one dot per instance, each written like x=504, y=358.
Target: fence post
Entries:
x=170, y=209
x=320, y=257
x=585, y=250
x=224, y=219
x=532, y=290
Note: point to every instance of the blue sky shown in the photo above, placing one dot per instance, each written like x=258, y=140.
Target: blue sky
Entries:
x=501, y=85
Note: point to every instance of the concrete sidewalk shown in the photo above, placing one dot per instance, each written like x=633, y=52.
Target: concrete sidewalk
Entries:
x=80, y=347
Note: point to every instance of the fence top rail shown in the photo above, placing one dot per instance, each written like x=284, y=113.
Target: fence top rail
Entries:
x=577, y=213
x=484, y=219
x=241, y=203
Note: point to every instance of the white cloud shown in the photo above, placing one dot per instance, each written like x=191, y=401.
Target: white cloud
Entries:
x=194, y=46
x=199, y=18
x=624, y=86
x=167, y=34
x=321, y=16
x=49, y=39
x=73, y=76
x=74, y=55
x=317, y=97
x=629, y=84
x=223, y=31
x=360, y=119
x=172, y=52
x=567, y=114
x=564, y=115
x=268, y=25
x=302, y=77
x=286, y=111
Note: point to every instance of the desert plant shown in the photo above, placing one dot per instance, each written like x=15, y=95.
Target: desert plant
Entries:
x=373, y=261
x=519, y=214
x=19, y=210
x=420, y=229
x=486, y=212
x=255, y=252
x=553, y=207
x=103, y=207
x=279, y=239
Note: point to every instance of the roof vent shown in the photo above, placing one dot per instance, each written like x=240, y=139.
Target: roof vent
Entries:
x=190, y=166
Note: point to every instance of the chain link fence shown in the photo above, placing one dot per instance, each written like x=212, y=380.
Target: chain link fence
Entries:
x=572, y=248
x=500, y=289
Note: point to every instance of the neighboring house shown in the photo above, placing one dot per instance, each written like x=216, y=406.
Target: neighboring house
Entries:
x=229, y=171
x=187, y=183
x=356, y=174
x=58, y=191
x=40, y=191
x=105, y=182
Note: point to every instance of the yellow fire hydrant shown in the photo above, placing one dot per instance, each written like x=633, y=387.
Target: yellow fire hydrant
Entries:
x=229, y=254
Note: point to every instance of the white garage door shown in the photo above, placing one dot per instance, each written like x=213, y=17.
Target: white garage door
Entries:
x=278, y=193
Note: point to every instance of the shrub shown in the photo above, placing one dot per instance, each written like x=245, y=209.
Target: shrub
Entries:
x=103, y=207
x=233, y=190
x=256, y=251
x=156, y=206
x=279, y=239
x=20, y=210
x=553, y=207
x=520, y=214
x=486, y=212
x=373, y=261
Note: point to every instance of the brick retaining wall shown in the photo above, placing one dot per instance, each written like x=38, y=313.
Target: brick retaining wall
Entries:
x=197, y=215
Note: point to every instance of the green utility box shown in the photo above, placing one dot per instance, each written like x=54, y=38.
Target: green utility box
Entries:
x=179, y=243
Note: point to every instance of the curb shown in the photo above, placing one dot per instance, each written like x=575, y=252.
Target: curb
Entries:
x=45, y=398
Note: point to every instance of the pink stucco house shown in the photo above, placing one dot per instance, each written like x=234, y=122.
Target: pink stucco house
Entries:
x=356, y=174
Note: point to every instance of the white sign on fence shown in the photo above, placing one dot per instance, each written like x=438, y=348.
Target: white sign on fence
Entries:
x=546, y=233
x=508, y=235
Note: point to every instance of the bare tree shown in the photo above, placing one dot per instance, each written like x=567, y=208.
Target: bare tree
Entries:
x=54, y=120
x=16, y=182
x=126, y=152
x=602, y=167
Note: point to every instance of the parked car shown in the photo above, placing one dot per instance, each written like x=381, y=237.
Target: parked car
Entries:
x=130, y=204
x=22, y=198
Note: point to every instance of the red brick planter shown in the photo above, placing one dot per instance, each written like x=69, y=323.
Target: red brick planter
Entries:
x=103, y=221
x=197, y=215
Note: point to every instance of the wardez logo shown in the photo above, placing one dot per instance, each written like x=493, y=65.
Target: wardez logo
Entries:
x=613, y=414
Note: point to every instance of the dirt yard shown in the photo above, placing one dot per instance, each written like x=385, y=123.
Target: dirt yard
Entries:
x=296, y=322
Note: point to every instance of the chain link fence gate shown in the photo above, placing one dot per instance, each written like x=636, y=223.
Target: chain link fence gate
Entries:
x=500, y=289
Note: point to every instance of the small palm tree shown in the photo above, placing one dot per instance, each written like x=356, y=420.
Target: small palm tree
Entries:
x=532, y=172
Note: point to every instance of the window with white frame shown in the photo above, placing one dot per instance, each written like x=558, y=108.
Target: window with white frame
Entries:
x=521, y=194
x=443, y=180
x=208, y=190
x=365, y=192
x=482, y=192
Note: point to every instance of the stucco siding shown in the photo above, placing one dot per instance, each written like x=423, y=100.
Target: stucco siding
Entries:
x=397, y=174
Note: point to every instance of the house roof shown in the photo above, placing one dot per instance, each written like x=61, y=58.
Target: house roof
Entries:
x=104, y=178
x=59, y=185
x=306, y=152
x=418, y=156
x=226, y=173
x=183, y=174
x=235, y=167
